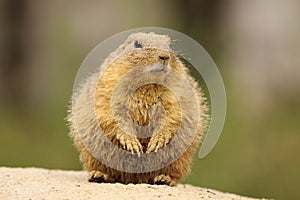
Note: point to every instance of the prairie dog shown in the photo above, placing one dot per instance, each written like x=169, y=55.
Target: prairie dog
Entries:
x=139, y=118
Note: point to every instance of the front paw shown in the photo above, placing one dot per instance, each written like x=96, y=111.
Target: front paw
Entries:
x=130, y=143
x=157, y=142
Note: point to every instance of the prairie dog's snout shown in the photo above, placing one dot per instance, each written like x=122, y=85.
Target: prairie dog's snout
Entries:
x=164, y=58
x=162, y=65
x=158, y=68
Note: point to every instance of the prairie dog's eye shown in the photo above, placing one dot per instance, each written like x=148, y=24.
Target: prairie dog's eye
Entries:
x=138, y=45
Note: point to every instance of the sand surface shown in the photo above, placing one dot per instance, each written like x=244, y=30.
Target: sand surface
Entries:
x=35, y=183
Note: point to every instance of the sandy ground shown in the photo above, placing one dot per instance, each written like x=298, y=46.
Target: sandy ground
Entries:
x=34, y=183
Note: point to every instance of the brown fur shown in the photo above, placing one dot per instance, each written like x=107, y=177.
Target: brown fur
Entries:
x=93, y=112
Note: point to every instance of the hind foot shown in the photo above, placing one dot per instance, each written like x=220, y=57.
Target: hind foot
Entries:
x=98, y=176
x=164, y=180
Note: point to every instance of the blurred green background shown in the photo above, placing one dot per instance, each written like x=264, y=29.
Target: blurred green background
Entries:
x=255, y=44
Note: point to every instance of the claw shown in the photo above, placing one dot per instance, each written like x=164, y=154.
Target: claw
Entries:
x=151, y=147
x=122, y=141
x=167, y=140
x=130, y=144
x=157, y=142
x=158, y=146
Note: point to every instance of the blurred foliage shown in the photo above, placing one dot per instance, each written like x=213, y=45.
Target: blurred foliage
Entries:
x=256, y=155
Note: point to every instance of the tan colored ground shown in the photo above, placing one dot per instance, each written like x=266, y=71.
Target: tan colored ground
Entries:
x=34, y=183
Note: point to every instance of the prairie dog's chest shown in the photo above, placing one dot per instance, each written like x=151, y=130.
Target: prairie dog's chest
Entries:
x=144, y=103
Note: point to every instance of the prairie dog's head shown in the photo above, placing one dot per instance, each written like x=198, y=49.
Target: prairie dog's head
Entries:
x=147, y=54
x=143, y=42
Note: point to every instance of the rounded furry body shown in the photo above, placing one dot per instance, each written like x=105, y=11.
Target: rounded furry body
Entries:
x=144, y=102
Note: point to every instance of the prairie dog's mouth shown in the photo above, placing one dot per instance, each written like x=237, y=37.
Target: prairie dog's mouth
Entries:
x=158, y=67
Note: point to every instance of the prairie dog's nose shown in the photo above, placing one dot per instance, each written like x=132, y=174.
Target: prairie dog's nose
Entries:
x=163, y=57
